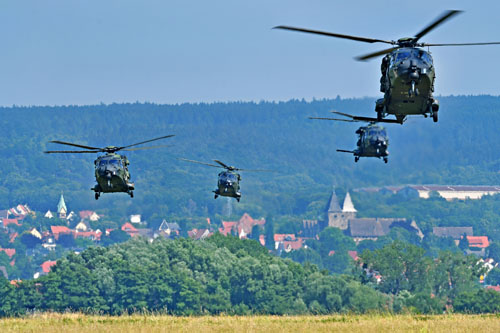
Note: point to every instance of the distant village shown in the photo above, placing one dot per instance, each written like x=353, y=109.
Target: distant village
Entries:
x=344, y=217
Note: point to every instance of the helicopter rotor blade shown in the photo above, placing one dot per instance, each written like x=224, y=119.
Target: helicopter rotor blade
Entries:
x=197, y=162
x=343, y=114
x=71, y=151
x=445, y=16
x=374, y=54
x=460, y=44
x=144, y=148
x=74, y=145
x=346, y=120
x=224, y=165
x=140, y=143
x=331, y=34
x=253, y=170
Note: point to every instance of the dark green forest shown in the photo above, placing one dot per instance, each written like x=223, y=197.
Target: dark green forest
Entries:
x=461, y=149
x=232, y=276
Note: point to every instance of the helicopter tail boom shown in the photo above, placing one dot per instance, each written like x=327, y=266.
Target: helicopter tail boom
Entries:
x=345, y=151
x=369, y=119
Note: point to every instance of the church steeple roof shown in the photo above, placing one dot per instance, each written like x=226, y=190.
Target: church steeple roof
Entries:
x=334, y=203
x=61, y=206
x=348, y=206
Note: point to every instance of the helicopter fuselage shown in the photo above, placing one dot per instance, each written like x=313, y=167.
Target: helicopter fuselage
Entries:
x=228, y=185
x=373, y=142
x=112, y=175
x=408, y=83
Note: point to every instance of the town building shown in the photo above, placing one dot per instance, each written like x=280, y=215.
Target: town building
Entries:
x=448, y=192
x=455, y=233
x=169, y=229
x=241, y=228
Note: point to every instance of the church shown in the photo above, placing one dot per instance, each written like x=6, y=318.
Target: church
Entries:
x=359, y=229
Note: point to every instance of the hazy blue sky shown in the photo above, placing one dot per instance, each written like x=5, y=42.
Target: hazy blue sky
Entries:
x=57, y=52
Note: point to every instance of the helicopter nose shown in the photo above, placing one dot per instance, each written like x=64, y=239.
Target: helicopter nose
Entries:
x=413, y=71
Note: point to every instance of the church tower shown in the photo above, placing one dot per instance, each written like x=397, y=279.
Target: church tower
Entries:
x=339, y=217
x=61, y=208
x=348, y=209
x=335, y=214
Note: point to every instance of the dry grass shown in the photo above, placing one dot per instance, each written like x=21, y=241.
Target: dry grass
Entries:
x=274, y=324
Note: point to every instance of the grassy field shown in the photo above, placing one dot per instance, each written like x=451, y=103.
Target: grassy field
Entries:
x=335, y=323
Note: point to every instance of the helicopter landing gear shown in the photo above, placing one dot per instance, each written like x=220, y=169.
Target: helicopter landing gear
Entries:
x=131, y=193
x=413, y=90
x=238, y=199
x=435, y=117
x=434, y=108
x=356, y=159
x=97, y=194
x=386, y=159
x=216, y=196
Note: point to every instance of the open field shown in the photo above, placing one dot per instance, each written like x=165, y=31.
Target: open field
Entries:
x=342, y=323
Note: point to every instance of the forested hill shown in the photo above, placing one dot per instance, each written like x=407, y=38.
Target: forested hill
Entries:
x=463, y=148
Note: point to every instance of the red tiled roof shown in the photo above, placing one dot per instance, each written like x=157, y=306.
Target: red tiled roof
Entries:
x=246, y=223
x=199, y=233
x=129, y=228
x=88, y=234
x=227, y=227
x=353, y=255
x=13, y=237
x=84, y=214
x=59, y=229
x=262, y=240
x=294, y=245
x=495, y=288
x=478, y=241
x=47, y=265
x=6, y=222
x=9, y=252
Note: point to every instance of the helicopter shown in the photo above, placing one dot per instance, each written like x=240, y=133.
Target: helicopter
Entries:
x=111, y=170
x=228, y=184
x=408, y=73
x=372, y=139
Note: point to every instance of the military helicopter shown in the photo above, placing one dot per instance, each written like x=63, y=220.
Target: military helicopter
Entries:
x=407, y=72
x=228, y=184
x=372, y=139
x=111, y=169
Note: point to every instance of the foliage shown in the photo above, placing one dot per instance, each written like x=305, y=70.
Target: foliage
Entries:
x=255, y=135
x=222, y=274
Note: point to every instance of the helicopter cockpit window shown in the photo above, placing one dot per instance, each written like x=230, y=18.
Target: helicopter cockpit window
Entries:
x=402, y=55
x=372, y=133
x=425, y=57
x=115, y=162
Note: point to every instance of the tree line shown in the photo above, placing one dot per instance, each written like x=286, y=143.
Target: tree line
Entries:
x=232, y=276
